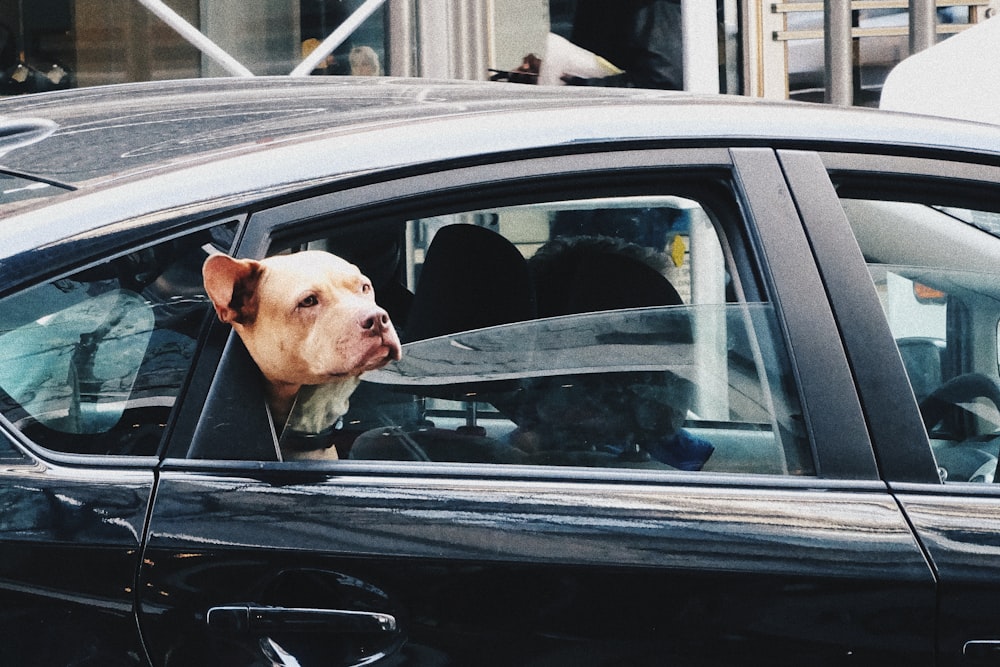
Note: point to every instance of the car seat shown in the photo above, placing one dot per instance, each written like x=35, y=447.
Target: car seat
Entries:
x=471, y=278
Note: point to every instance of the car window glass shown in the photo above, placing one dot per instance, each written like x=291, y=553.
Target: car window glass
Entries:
x=937, y=284
x=611, y=332
x=92, y=363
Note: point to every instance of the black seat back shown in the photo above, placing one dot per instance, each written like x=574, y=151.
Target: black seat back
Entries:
x=471, y=278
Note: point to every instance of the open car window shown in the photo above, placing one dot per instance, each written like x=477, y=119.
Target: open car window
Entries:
x=625, y=388
x=607, y=332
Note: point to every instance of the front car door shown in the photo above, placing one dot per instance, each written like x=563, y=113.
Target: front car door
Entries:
x=92, y=360
x=662, y=459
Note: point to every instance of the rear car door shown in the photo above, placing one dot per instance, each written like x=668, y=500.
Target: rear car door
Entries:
x=927, y=228
x=660, y=460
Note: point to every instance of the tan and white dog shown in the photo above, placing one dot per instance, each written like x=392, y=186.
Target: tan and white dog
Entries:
x=308, y=320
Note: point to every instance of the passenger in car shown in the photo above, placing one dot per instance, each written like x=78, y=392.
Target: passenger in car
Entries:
x=598, y=419
x=633, y=417
x=586, y=274
x=638, y=415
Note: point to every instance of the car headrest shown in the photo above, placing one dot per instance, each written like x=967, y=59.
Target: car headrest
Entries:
x=590, y=274
x=471, y=278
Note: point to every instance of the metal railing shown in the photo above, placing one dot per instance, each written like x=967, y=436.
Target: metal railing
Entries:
x=839, y=33
x=195, y=37
x=434, y=38
x=896, y=31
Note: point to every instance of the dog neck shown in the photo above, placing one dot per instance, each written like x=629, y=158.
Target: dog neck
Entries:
x=280, y=399
x=315, y=416
x=319, y=407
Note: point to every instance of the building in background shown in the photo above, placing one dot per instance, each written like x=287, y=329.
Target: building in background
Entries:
x=766, y=48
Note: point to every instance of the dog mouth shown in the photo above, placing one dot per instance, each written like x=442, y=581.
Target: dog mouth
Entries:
x=370, y=352
x=390, y=341
x=384, y=351
x=393, y=352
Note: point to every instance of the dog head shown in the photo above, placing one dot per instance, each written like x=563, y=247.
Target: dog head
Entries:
x=307, y=318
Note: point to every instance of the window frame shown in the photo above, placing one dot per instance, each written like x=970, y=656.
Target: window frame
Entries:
x=119, y=244
x=515, y=180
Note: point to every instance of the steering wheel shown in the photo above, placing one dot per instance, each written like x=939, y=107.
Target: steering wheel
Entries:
x=964, y=388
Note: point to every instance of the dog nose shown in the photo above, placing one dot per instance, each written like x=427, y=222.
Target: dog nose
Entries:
x=375, y=321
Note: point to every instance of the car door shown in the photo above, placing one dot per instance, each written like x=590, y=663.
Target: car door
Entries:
x=927, y=228
x=485, y=509
x=92, y=360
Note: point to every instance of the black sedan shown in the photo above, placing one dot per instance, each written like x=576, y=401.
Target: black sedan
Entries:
x=685, y=381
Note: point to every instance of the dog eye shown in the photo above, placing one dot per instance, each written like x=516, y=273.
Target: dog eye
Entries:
x=309, y=301
x=366, y=288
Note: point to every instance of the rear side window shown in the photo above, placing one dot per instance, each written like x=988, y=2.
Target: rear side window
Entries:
x=92, y=363
x=626, y=331
x=934, y=265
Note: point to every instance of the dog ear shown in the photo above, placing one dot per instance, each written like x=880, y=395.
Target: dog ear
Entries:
x=231, y=284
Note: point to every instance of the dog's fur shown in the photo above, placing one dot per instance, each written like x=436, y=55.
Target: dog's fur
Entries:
x=306, y=319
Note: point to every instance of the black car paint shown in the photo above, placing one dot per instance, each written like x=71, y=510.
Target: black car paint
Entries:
x=507, y=571
x=959, y=535
x=488, y=567
x=70, y=544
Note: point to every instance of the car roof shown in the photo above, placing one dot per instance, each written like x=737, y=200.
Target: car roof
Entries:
x=121, y=152
x=143, y=124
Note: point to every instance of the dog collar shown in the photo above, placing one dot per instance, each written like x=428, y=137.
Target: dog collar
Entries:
x=297, y=441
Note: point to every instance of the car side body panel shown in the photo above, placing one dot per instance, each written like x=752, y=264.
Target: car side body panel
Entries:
x=69, y=550
x=521, y=565
x=506, y=571
x=955, y=523
x=959, y=532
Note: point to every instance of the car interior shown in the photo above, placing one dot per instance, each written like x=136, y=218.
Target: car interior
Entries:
x=610, y=332
x=937, y=283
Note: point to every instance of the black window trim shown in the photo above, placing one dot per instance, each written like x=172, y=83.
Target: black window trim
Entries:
x=890, y=409
x=842, y=446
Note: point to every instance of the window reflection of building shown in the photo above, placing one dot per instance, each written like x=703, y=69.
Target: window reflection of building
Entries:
x=319, y=18
x=46, y=44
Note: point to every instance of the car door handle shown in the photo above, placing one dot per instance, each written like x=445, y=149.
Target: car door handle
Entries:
x=982, y=652
x=248, y=619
